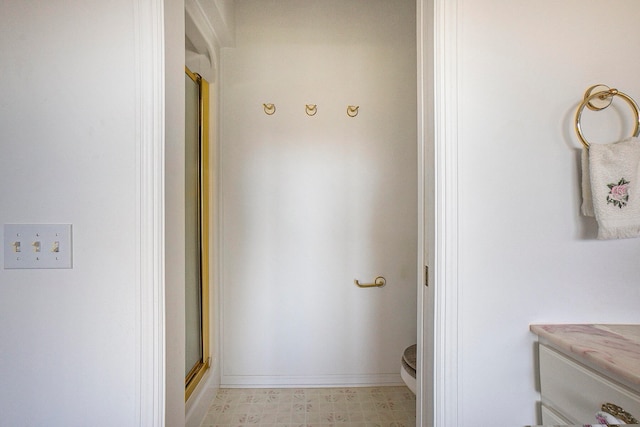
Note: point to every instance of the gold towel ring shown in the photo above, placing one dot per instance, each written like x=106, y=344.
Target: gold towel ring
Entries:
x=269, y=109
x=602, y=97
x=352, y=110
x=311, y=109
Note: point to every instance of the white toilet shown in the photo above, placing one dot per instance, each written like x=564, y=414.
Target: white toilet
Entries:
x=408, y=369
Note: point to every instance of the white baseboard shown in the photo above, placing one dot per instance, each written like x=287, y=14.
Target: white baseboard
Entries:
x=367, y=380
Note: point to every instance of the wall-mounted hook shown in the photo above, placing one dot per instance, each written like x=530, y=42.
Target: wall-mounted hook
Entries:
x=269, y=109
x=311, y=109
x=352, y=110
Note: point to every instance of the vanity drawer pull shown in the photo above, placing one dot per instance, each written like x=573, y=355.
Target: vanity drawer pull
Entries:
x=619, y=413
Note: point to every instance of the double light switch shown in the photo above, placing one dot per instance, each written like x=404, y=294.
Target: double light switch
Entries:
x=37, y=246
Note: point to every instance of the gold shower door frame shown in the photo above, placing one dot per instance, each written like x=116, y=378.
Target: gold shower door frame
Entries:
x=197, y=233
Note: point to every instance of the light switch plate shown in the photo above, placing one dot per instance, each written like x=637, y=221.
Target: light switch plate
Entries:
x=37, y=246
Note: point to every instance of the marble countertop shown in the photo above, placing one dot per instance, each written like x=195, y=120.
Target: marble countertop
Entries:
x=613, y=349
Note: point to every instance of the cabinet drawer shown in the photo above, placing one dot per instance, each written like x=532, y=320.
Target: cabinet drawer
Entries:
x=552, y=418
x=577, y=392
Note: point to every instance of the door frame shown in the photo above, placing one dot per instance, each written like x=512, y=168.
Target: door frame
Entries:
x=438, y=313
x=149, y=74
x=438, y=316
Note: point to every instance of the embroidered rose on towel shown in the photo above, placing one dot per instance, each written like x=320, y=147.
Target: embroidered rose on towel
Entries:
x=618, y=193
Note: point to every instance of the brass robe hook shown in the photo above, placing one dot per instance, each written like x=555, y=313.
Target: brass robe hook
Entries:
x=352, y=110
x=311, y=109
x=269, y=109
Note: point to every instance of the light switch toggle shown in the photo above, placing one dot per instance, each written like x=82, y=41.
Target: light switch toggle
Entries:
x=37, y=246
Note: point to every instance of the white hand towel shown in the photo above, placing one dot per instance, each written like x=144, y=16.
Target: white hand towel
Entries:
x=614, y=172
x=606, y=419
x=587, y=199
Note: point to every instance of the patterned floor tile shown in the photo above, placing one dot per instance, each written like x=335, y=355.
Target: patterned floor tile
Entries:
x=317, y=407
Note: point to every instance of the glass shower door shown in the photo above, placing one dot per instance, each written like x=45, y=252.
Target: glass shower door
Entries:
x=196, y=230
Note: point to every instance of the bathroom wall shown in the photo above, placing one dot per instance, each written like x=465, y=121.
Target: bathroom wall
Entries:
x=68, y=338
x=526, y=253
x=174, y=27
x=311, y=203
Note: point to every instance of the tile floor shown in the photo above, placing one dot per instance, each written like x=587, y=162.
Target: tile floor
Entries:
x=315, y=407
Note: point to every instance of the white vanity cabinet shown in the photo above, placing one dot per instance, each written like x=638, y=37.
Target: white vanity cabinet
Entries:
x=572, y=393
x=582, y=367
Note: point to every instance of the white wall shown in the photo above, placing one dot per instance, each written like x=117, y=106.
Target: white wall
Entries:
x=526, y=254
x=174, y=212
x=312, y=203
x=68, y=340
